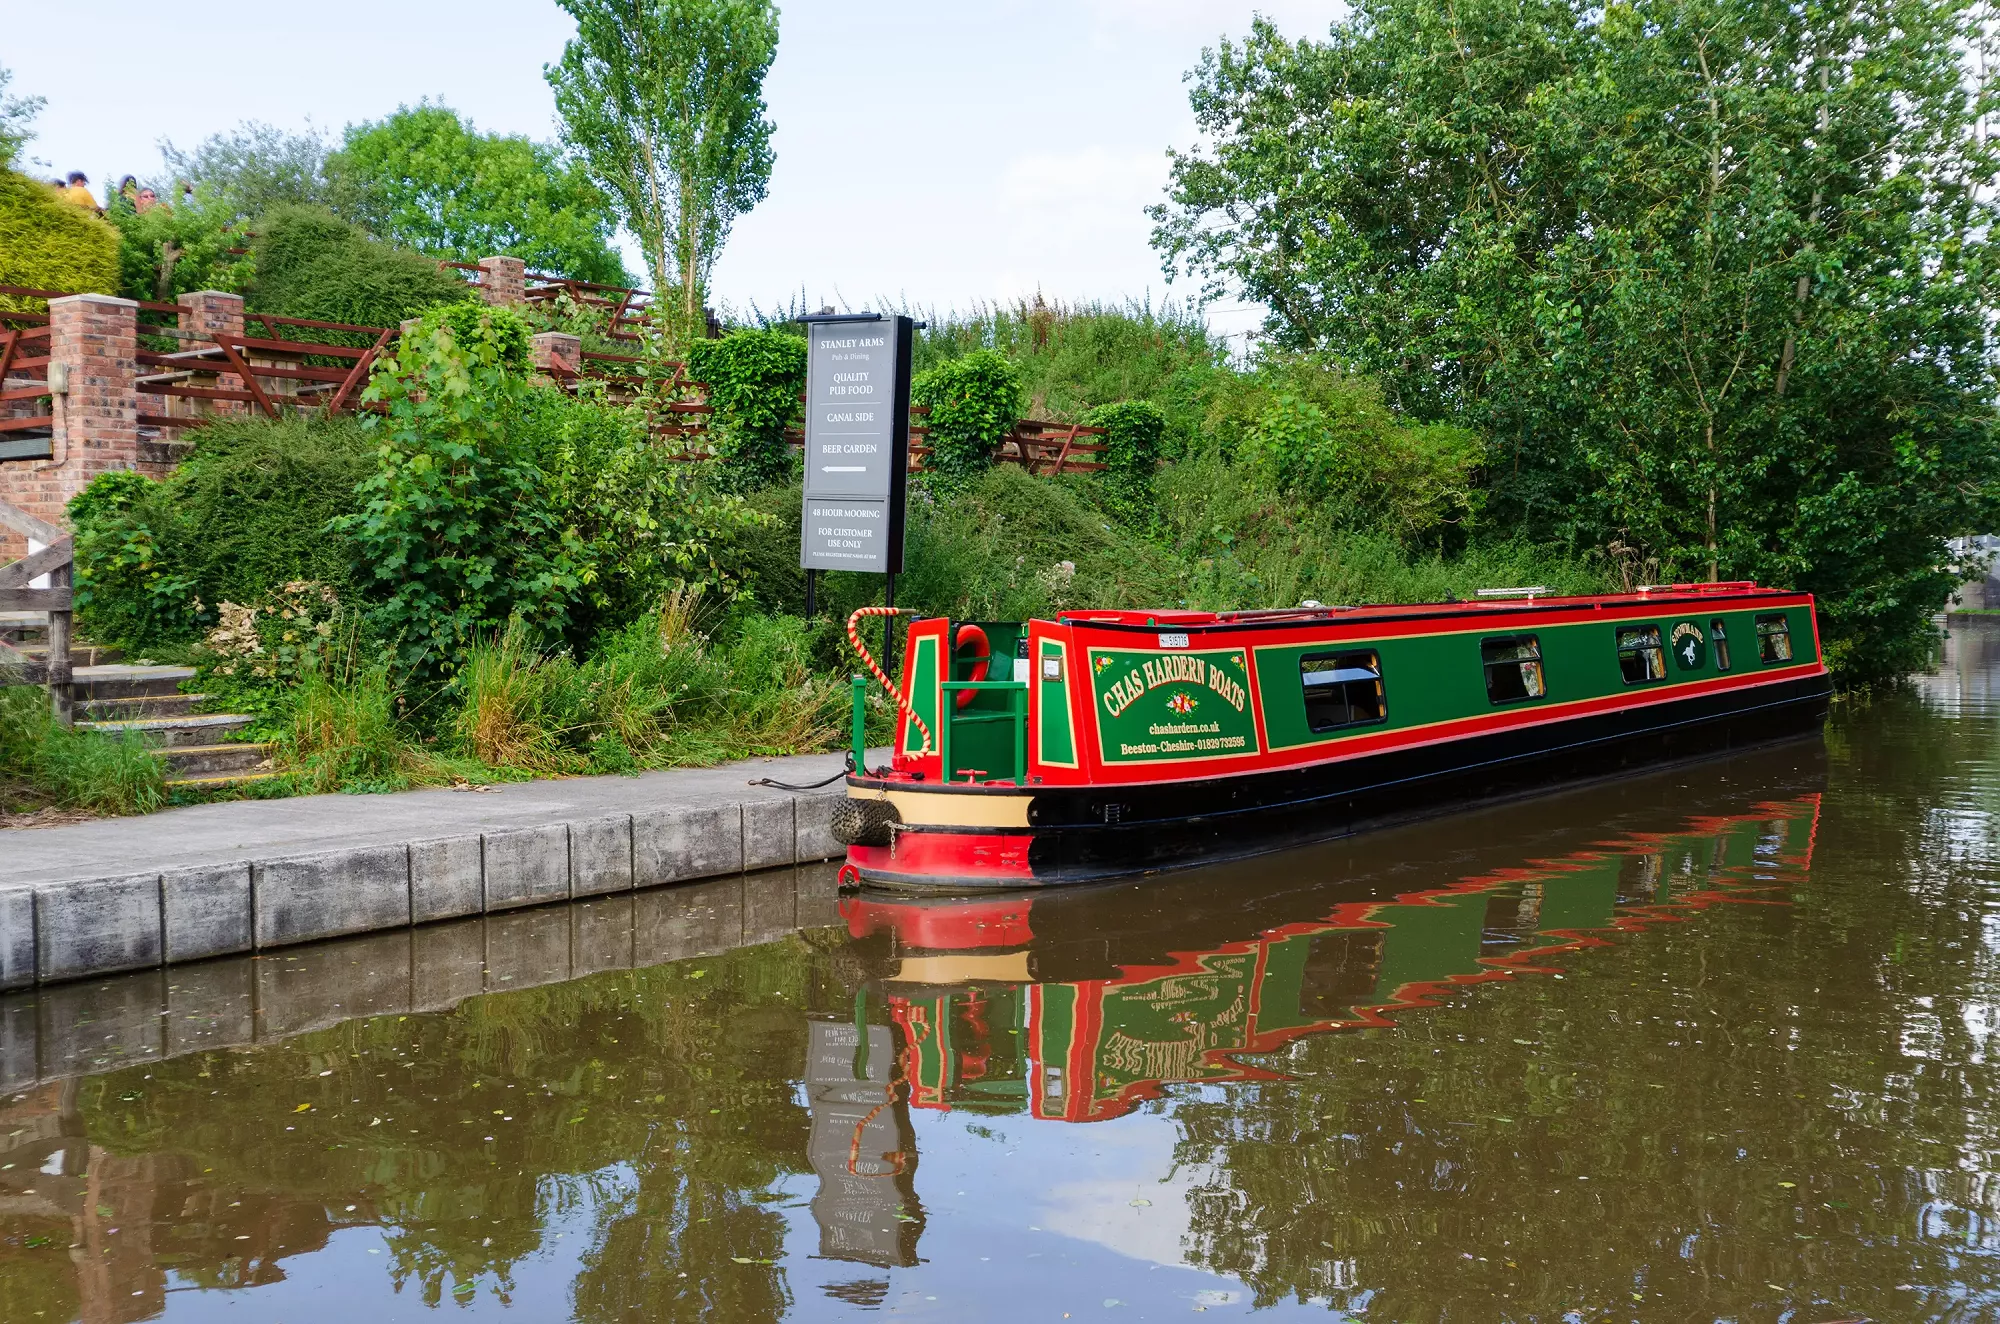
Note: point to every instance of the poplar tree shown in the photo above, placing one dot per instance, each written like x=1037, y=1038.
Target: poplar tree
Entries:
x=663, y=102
x=1715, y=277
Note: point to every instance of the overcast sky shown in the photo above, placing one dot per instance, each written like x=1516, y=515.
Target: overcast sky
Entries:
x=1010, y=144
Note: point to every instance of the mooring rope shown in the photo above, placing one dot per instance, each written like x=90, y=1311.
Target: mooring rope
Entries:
x=902, y=704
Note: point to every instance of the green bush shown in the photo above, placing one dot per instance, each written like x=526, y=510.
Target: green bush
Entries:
x=312, y=264
x=754, y=379
x=48, y=244
x=975, y=401
x=470, y=320
x=245, y=514
x=455, y=533
x=1132, y=433
x=1074, y=358
x=44, y=764
x=634, y=522
x=179, y=247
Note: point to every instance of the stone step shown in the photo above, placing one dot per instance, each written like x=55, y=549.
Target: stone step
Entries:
x=134, y=709
x=188, y=761
x=175, y=732
x=80, y=655
x=219, y=781
x=124, y=681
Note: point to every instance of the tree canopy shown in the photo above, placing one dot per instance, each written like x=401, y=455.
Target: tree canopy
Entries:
x=425, y=179
x=1714, y=277
x=17, y=117
x=664, y=101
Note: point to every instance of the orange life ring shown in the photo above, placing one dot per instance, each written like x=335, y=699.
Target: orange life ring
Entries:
x=973, y=634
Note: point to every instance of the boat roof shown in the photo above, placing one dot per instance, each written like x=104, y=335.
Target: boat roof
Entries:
x=1488, y=600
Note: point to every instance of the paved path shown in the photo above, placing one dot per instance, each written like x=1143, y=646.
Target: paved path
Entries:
x=240, y=829
x=214, y=880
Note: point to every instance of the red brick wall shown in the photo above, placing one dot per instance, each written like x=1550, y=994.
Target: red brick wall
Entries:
x=96, y=421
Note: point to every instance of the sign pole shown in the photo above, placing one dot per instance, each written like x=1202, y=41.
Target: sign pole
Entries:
x=889, y=630
x=811, y=577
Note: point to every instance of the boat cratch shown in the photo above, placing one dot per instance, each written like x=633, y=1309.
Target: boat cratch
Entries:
x=1112, y=742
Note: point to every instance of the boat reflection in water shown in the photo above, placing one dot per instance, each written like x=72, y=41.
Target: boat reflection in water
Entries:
x=1077, y=1005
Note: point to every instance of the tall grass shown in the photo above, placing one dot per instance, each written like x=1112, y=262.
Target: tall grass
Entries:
x=660, y=693
x=46, y=765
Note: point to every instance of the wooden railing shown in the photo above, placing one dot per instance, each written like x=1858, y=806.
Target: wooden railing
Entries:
x=55, y=560
x=270, y=371
x=27, y=419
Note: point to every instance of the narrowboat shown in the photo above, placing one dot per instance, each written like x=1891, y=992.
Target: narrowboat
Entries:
x=1104, y=743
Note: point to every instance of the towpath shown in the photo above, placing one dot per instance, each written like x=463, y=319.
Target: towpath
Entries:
x=213, y=880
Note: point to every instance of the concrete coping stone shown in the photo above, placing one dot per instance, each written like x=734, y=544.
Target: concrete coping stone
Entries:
x=400, y=863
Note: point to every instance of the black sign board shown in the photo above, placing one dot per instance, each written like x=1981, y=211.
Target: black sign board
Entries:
x=857, y=441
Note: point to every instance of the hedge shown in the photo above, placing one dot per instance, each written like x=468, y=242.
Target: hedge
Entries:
x=49, y=244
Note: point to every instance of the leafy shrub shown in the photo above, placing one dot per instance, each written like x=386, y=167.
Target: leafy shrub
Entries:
x=179, y=247
x=312, y=264
x=259, y=651
x=754, y=379
x=1133, y=430
x=454, y=531
x=244, y=514
x=633, y=522
x=45, y=764
x=48, y=244
x=471, y=320
x=1074, y=358
x=975, y=401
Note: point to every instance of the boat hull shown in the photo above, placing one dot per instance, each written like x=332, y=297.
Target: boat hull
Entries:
x=989, y=838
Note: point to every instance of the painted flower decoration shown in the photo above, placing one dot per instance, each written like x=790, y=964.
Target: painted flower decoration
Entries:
x=1102, y=661
x=1182, y=702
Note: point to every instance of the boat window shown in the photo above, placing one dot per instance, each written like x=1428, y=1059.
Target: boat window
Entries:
x=1718, y=643
x=1640, y=657
x=1774, y=639
x=1342, y=689
x=1513, y=668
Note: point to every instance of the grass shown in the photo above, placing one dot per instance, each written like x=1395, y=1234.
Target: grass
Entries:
x=46, y=766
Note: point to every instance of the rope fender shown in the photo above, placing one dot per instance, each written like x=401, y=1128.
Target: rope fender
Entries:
x=868, y=660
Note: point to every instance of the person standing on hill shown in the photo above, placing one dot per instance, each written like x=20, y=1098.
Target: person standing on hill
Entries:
x=78, y=192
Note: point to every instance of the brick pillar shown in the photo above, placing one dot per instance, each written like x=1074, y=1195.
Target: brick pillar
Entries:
x=95, y=340
x=203, y=313
x=503, y=281
x=557, y=355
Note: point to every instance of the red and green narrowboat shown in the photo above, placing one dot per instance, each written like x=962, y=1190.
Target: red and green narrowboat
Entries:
x=1104, y=743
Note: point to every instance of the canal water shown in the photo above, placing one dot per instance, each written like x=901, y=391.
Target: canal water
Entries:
x=1714, y=1043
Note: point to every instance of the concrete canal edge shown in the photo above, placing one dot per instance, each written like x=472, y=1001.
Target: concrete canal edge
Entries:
x=88, y=1026
x=98, y=898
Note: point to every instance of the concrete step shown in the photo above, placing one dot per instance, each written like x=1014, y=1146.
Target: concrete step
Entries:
x=123, y=681
x=176, y=732
x=218, y=781
x=133, y=709
x=188, y=761
x=80, y=655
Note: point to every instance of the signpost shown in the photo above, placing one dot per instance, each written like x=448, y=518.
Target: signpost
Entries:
x=857, y=447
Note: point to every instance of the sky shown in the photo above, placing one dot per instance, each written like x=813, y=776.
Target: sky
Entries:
x=993, y=149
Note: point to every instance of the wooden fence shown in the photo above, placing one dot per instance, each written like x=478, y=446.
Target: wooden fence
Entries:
x=55, y=560
x=189, y=373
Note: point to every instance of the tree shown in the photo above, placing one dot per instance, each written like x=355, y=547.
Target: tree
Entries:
x=17, y=117
x=1714, y=277
x=663, y=101
x=427, y=180
x=255, y=168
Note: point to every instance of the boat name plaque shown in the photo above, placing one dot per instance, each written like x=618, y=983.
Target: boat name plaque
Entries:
x=1170, y=707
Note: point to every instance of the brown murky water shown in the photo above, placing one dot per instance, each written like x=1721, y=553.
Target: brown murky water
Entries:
x=1716, y=1044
